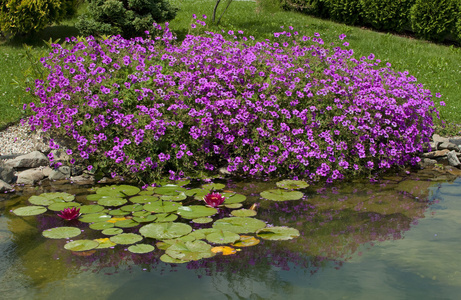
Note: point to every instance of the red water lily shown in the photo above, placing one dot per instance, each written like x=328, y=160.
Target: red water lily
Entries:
x=214, y=199
x=69, y=213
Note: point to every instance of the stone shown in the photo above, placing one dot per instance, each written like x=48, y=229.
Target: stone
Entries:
x=455, y=140
x=435, y=154
x=433, y=146
x=427, y=162
x=223, y=171
x=6, y=173
x=82, y=179
x=438, y=138
x=62, y=172
x=448, y=145
x=47, y=171
x=453, y=159
x=31, y=160
x=60, y=155
x=30, y=176
x=4, y=186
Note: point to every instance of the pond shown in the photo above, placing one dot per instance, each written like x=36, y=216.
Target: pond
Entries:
x=396, y=239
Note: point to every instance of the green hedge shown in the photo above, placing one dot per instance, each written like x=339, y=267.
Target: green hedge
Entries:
x=389, y=15
x=345, y=11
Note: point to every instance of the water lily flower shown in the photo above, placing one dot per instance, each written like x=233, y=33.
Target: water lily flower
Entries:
x=214, y=199
x=69, y=213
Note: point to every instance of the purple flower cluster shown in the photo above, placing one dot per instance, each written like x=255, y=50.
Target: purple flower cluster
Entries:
x=291, y=106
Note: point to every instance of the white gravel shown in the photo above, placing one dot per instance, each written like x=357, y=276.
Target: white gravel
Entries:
x=19, y=139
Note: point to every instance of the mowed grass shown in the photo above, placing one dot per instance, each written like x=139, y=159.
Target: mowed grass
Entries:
x=438, y=67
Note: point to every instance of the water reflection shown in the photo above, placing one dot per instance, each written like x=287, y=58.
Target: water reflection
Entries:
x=342, y=229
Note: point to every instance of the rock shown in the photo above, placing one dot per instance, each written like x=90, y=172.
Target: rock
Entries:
x=455, y=140
x=435, y=154
x=453, y=159
x=82, y=179
x=223, y=171
x=60, y=155
x=31, y=160
x=47, y=171
x=427, y=162
x=438, y=138
x=30, y=176
x=6, y=173
x=448, y=145
x=433, y=146
x=4, y=186
x=61, y=173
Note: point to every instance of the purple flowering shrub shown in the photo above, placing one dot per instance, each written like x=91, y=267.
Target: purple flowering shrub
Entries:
x=291, y=106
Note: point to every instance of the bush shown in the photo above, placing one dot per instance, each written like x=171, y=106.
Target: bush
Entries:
x=434, y=20
x=128, y=18
x=458, y=23
x=345, y=11
x=312, y=7
x=28, y=16
x=292, y=107
x=390, y=15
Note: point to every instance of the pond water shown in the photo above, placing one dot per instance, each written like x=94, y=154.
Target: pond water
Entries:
x=397, y=239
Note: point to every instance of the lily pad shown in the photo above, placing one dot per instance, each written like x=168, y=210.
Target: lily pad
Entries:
x=91, y=209
x=104, y=243
x=225, y=250
x=170, y=260
x=292, y=184
x=32, y=210
x=101, y=225
x=196, y=211
x=281, y=195
x=165, y=218
x=126, y=238
x=144, y=199
x=118, y=212
x=246, y=241
x=112, y=231
x=132, y=207
x=118, y=190
x=81, y=245
x=188, y=251
x=58, y=206
x=179, y=197
x=239, y=224
x=141, y=213
x=126, y=223
x=50, y=198
x=205, y=220
x=170, y=190
x=144, y=219
x=233, y=205
x=278, y=233
x=162, y=206
x=200, y=234
x=112, y=201
x=167, y=181
x=237, y=198
x=141, y=248
x=192, y=192
x=214, y=186
x=96, y=217
x=222, y=237
x=163, y=231
x=243, y=213
x=61, y=232
x=95, y=197
x=116, y=219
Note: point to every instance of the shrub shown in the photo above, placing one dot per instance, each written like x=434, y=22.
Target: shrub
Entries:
x=458, y=23
x=345, y=11
x=145, y=107
x=128, y=18
x=391, y=15
x=313, y=7
x=433, y=20
x=27, y=16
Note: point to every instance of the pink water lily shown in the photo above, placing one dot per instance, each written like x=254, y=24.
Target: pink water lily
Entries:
x=69, y=213
x=214, y=199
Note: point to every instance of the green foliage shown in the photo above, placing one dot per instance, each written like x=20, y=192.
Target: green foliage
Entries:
x=28, y=16
x=390, y=15
x=128, y=18
x=345, y=11
x=317, y=8
x=434, y=20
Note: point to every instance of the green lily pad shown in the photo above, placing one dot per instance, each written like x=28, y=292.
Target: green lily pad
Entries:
x=213, y=186
x=202, y=220
x=246, y=241
x=144, y=199
x=170, y=260
x=170, y=190
x=81, y=245
x=112, y=231
x=162, y=206
x=278, y=233
x=32, y=210
x=126, y=223
x=141, y=213
x=196, y=211
x=62, y=205
x=95, y=197
x=93, y=218
x=237, y=198
x=178, y=197
x=162, y=231
x=126, y=238
x=118, y=190
x=61, y=232
x=292, y=184
x=201, y=194
x=233, y=205
x=141, y=248
x=101, y=225
x=118, y=212
x=146, y=193
x=91, y=209
x=161, y=218
x=239, y=224
x=112, y=201
x=188, y=251
x=104, y=243
x=50, y=198
x=132, y=207
x=281, y=195
x=222, y=237
x=167, y=181
x=192, y=192
x=201, y=234
x=143, y=219
x=243, y=213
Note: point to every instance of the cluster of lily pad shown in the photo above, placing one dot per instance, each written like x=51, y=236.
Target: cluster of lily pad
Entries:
x=165, y=214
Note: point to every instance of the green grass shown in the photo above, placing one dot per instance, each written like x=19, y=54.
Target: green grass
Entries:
x=438, y=67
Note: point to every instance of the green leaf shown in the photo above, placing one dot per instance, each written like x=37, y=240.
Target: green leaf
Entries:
x=50, y=198
x=112, y=231
x=196, y=211
x=292, y=184
x=91, y=209
x=118, y=190
x=101, y=225
x=162, y=206
x=237, y=198
x=61, y=232
x=278, y=233
x=239, y=224
x=144, y=199
x=162, y=231
x=112, y=201
x=144, y=219
x=118, y=212
x=170, y=190
x=222, y=237
x=246, y=241
x=81, y=245
x=233, y=205
x=281, y=195
x=104, y=243
x=243, y=213
x=188, y=251
x=202, y=220
x=96, y=217
x=132, y=207
x=165, y=218
x=126, y=238
x=126, y=223
x=29, y=211
x=170, y=260
x=213, y=186
x=62, y=205
x=141, y=248
x=178, y=197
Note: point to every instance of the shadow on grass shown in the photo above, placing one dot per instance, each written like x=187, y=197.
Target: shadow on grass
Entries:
x=55, y=32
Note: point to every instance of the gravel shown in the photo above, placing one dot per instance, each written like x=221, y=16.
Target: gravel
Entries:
x=19, y=139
